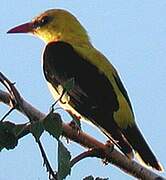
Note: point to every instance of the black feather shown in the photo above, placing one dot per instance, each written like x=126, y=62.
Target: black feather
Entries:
x=93, y=95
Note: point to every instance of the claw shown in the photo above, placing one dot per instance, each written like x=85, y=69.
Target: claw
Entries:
x=75, y=123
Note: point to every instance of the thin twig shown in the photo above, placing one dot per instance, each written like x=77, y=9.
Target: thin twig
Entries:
x=90, y=153
x=46, y=162
x=16, y=98
x=7, y=114
x=5, y=98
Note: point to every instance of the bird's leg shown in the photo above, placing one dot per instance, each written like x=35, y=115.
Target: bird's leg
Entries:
x=52, y=106
x=73, y=115
x=110, y=147
x=59, y=99
x=75, y=123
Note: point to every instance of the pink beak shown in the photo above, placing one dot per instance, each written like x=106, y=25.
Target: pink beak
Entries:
x=23, y=28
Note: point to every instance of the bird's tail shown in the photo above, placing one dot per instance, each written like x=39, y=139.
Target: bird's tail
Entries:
x=117, y=138
x=137, y=141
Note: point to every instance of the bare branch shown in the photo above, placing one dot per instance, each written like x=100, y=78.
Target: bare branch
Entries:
x=5, y=98
x=115, y=157
x=89, y=153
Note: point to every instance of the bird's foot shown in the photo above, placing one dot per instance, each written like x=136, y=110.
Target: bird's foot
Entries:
x=75, y=126
x=73, y=115
x=110, y=147
x=75, y=123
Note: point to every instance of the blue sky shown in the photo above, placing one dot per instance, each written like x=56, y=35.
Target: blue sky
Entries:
x=132, y=34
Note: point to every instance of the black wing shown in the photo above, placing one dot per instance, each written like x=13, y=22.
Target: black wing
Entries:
x=93, y=95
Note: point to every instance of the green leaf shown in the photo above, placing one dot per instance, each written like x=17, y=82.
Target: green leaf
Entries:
x=8, y=138
x=89, y=178
x=64, y=158
x=20, y=130
x=52, y=123
x=68, y=85
x=37, y=130
x=92, y=178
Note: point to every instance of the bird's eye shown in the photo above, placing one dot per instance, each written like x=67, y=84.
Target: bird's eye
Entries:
x=41, y=22
x=44, y=20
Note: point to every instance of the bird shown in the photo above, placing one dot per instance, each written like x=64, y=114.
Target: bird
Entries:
x=98, y=94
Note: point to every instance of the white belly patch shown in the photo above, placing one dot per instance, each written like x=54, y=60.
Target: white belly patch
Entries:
x=65, y=99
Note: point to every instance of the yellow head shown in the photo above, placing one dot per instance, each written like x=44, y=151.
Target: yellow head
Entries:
x=54, y=25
